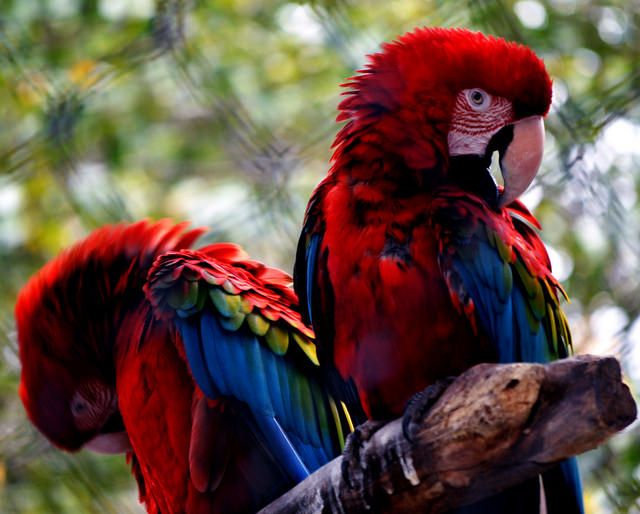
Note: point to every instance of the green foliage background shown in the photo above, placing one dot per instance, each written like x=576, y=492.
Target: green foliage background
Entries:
x=222, y=113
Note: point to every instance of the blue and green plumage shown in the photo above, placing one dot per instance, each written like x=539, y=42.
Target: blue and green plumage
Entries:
x=505, y=275
x=513, y=291
x=246, y=342
x=196, y=363
x=413, y=265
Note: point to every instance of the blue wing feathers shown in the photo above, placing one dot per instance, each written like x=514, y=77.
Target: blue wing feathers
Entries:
x=244, y=384
x=501, y=271
x=284, y=449
x=213, y=355
x=320, y=457
x=193, y=349
x=307, y=452
x=322, y=420
x=288, y=410
x=276, y=393
x=296, y=405
x=227, y=358
x=258, y=370
x=531, y=344
x=486, y=268
x=572, y=474
x=278, y=390
x=283, y=380
x=308, y=413
x=506, y=321
x=513, y=318
x=311, y=258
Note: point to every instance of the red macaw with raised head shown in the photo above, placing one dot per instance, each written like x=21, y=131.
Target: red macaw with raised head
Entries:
x=413, y=265
x=195, y=362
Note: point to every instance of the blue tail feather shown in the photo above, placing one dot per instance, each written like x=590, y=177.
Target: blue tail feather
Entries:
x=563, y=488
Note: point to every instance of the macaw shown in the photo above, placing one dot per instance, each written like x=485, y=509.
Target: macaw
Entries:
x=194, y=362
x=413, y=264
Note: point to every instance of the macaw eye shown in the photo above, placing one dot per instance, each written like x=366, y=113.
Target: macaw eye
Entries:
x=477, y=98
x=91, y=405
x=79, y=405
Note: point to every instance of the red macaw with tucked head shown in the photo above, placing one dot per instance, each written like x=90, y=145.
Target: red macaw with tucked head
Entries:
x=195, y=362
x=413, y=265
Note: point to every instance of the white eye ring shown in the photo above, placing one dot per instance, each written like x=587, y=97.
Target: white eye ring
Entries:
x=478, y=99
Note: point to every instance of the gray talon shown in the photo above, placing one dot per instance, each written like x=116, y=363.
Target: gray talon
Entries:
x=351, y=453
x=420, y=403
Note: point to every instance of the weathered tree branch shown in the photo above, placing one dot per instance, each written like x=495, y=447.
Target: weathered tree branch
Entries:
x=495, y=426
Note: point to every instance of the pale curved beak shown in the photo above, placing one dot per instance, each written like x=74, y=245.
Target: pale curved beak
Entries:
x=111, y=443
x=522, y=158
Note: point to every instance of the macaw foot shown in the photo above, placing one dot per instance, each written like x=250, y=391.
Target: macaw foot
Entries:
x=351, y=466
x=420, y=403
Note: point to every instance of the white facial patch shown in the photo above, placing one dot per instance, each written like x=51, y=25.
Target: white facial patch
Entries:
x=476, y=117
x=92, y=404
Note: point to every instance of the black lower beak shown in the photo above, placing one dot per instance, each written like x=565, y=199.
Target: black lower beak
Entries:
x=473, y=172
x=114, y=424
x=500, y=141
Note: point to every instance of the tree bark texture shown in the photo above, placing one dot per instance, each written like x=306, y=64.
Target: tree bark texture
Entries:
x=494, y=426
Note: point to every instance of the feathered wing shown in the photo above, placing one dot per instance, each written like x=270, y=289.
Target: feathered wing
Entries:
x=500, y=280
x=499, y=276
x=305, y=273
x=315, y=294
x=246, y=346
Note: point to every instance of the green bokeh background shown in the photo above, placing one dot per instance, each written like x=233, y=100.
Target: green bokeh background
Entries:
x=223, y=113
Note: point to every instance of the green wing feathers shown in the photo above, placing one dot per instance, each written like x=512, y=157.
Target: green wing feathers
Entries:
x=244, y=338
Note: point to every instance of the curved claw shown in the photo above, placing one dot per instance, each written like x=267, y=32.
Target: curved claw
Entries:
x=420, y=403
x=351, y=465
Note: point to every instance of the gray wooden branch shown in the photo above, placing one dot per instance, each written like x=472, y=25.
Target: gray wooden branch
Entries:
x=495, y=426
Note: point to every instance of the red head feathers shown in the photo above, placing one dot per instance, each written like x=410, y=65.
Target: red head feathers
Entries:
x=413, y=102
x=67, y=358
x=423, y=69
